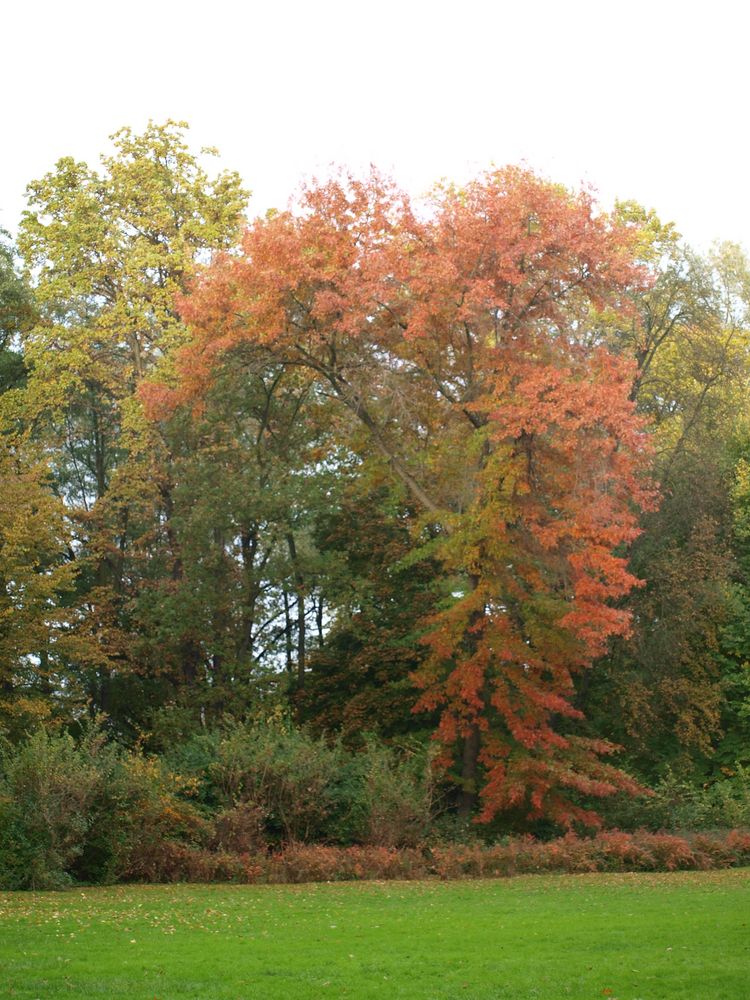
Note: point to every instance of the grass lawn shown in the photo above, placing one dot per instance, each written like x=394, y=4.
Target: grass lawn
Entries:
x=683, y=935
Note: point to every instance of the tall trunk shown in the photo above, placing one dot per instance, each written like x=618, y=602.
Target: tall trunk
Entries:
x=249, y=541
x=301, y=638
x=299, y=586
x=468, y=797
x=319, y=618
x=287, y=632
x=221, y=617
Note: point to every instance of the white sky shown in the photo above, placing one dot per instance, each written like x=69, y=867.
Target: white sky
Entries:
x=645, y=100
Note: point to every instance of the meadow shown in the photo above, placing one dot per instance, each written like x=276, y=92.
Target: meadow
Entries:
x=623, y=936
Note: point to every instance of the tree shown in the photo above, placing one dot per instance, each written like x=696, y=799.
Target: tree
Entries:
x=376, y=595
x=41, y=631
x=662, y=692
x=733, y=641
x=37, y=630
x=257, y=467
x=109, y=250
x=452, y=341
x=16, y=315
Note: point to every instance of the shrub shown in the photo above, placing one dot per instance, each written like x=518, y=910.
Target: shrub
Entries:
x=149, y=821
x=240, y=829
x=48, y=788
x=610, y=851
x=193, y=760
x=180, y=862
x=295, y=781
x=613, y=850
x=396, y=796
x=316, y=863
x=90, y=812
x=678, y=804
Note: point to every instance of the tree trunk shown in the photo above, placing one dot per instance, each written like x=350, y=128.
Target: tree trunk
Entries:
x=299, y=585
x=319, y=619
x=287, y=632
x=468, y=798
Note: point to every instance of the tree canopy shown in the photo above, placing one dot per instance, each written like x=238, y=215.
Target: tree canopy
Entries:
x=470, y=469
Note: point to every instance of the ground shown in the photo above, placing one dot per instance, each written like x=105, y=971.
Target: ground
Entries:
x=630, y=937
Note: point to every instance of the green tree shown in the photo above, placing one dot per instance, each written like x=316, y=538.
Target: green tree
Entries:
x=109, y=251
x=661, y=692
x=256, y=467
x=41, y=631
x=378, y=588
x=734, y=639
x=16, y=315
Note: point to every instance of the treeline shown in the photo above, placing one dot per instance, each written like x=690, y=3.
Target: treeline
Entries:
x=471, y=475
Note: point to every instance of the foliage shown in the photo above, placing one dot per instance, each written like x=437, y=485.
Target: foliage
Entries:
x=664, y=691
x=91, y=811
x=295, y=782
x=16, y=314
x=399, y=796
x=269, y=781
x=106, y=252
x=733, y=648
x=516, y=441
x=282, y=806
x=676, y=803
x=283, y=503
x=610, y=850
x=85, y=811
x=40, y=631
x=47, y=799
x=360, y=680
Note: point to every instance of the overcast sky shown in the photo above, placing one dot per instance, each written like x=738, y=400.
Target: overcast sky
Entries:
x=644, y=100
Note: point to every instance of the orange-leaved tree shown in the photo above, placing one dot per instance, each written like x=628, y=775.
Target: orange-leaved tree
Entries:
x=458, y=339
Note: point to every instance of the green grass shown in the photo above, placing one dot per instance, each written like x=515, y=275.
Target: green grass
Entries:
x=683, y=935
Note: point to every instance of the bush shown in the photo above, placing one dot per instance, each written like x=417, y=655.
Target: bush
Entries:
x=240, y=830
x=396, y=796
x=610, y=851
x=149, y=824
x=89, y=812
x=613, y=851
x=295, y=782
x=315, y=863
x=273, y=784
x=48, y=791
x=677, y=804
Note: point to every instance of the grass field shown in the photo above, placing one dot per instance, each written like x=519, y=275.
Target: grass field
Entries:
x=630, y=937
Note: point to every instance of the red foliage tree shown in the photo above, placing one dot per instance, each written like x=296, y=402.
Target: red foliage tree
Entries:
x=459, y=339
